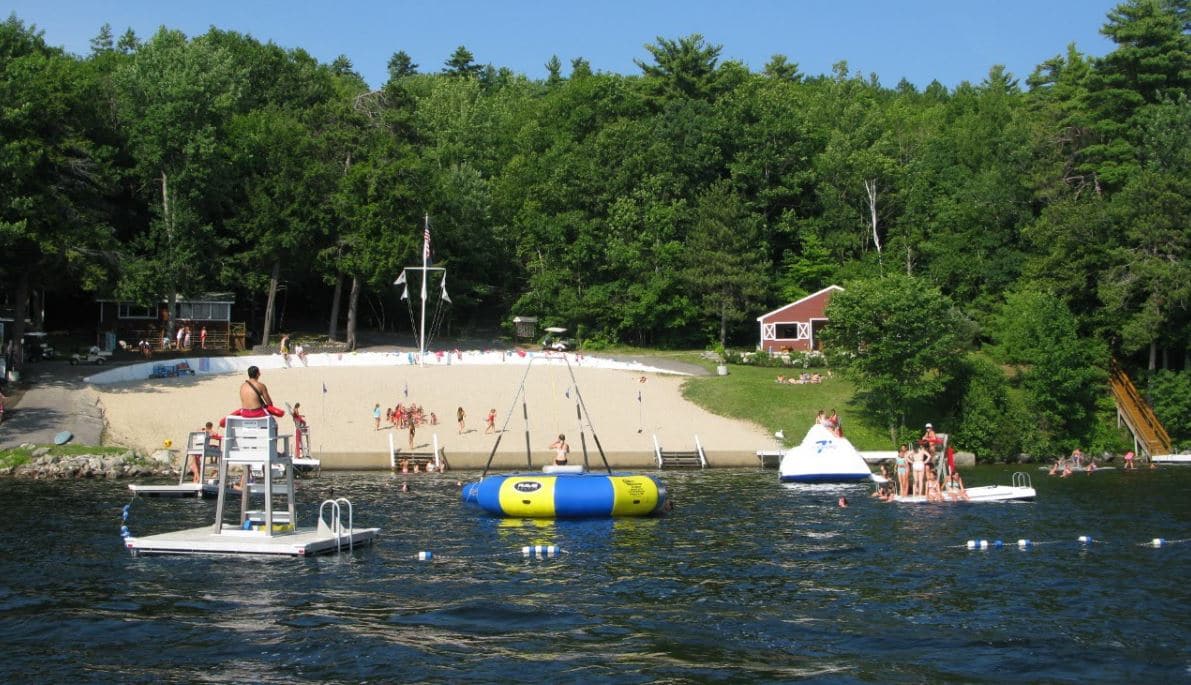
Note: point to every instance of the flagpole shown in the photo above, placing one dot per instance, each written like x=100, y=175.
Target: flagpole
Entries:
x=422, y=325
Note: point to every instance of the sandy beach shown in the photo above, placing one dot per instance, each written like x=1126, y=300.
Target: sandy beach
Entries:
x=144, y=413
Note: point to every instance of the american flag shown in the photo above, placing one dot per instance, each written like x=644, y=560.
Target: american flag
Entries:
x=426, y=243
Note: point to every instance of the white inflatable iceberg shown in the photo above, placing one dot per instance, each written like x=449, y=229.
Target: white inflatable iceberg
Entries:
x=823, y=458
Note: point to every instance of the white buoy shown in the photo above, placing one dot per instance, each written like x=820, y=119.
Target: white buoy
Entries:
x=539, y=550
x=1024, y=544
x=1157, y=542
x=425, y=556
x=1085, y=539
x=984, y=544
x=971, y=544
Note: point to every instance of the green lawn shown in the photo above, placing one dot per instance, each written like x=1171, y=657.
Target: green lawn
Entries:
x=750, y=393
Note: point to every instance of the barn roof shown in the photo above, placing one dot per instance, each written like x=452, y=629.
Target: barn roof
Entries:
x=798, y=302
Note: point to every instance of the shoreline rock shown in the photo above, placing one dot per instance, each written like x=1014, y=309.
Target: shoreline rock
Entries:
x=45, y=466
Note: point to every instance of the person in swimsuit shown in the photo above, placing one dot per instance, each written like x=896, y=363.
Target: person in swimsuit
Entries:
x=491, y=422
x=919, y=467
x=955, y=488
x=459, y=416
x=1129, y=460
x=254, y=396
x=933, y=493
x=561, y=449
x=212, y=436
x=300, y=430
x=902, y=466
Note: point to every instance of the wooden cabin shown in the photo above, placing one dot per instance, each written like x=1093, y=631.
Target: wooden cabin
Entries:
x=132, y=322
x=795, y=327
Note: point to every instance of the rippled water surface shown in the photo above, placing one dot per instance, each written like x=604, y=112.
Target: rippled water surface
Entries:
x=747, y=580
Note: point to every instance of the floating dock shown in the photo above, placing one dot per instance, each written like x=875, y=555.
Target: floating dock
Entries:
x=262, y=529
x=1171, y=458
x=233, y=540
x=206, y=490
x=201, y=450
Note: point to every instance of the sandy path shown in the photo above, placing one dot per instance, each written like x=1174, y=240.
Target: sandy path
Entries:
x=143, y=414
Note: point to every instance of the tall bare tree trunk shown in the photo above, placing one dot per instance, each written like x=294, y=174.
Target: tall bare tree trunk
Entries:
x=353, y=309
x=333, y=329
x=271, y=302
x=870, y=187
x=172, y=295
x=37, y=308
x=723, y=325
x=1153, y=355
x=21, y=298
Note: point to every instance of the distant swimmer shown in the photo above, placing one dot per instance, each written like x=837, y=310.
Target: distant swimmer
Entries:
x=843, y=502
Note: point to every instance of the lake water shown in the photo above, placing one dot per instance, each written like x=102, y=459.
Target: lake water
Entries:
x=747, y=580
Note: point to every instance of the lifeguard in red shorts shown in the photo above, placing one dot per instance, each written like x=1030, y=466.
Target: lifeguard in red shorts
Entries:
x=255, y=401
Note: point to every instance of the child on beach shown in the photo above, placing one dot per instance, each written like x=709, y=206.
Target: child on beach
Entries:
x=491, y=422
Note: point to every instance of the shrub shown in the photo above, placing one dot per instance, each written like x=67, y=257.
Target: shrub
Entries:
x=1170, y=395
x=992, y=422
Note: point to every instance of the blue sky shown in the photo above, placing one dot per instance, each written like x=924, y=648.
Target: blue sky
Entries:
x=921, y=40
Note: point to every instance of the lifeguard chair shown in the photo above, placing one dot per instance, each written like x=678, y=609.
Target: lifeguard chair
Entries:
x=200, y=444
x=252, y=444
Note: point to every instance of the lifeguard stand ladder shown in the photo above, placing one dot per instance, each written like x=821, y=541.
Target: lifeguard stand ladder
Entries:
x=252, y=443
x=690, y=459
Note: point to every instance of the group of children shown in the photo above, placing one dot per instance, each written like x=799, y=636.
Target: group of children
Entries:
x=831, y=423
x=917, y=472
x=1065, y=466
x=184, y=341
x=403, y=416
x=800, y=379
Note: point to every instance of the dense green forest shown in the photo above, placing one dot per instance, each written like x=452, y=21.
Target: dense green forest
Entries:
x=666, y=208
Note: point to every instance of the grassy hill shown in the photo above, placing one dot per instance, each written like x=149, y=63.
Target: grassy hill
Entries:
x=750, y=393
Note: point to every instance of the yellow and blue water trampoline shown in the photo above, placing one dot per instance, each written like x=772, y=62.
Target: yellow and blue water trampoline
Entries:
x=567, y=495
x=563, y=492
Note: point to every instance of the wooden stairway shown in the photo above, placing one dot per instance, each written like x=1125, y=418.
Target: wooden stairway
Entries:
x=1148, y=434
x=680, y=459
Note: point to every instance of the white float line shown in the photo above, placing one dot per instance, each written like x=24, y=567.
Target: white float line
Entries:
x=1024, y=543
x=528, y=552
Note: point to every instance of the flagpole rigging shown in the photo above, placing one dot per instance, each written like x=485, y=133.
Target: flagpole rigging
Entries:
x=425, y=257
x=403, y=280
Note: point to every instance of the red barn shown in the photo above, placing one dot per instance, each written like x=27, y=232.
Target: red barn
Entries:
x=796, y=326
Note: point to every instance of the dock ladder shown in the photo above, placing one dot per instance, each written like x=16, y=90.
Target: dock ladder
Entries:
x=689, y=459
x=334, y=524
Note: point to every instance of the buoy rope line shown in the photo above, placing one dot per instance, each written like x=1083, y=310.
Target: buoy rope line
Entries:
x=1084, y=540
x=124, y=531
x=527, y=552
